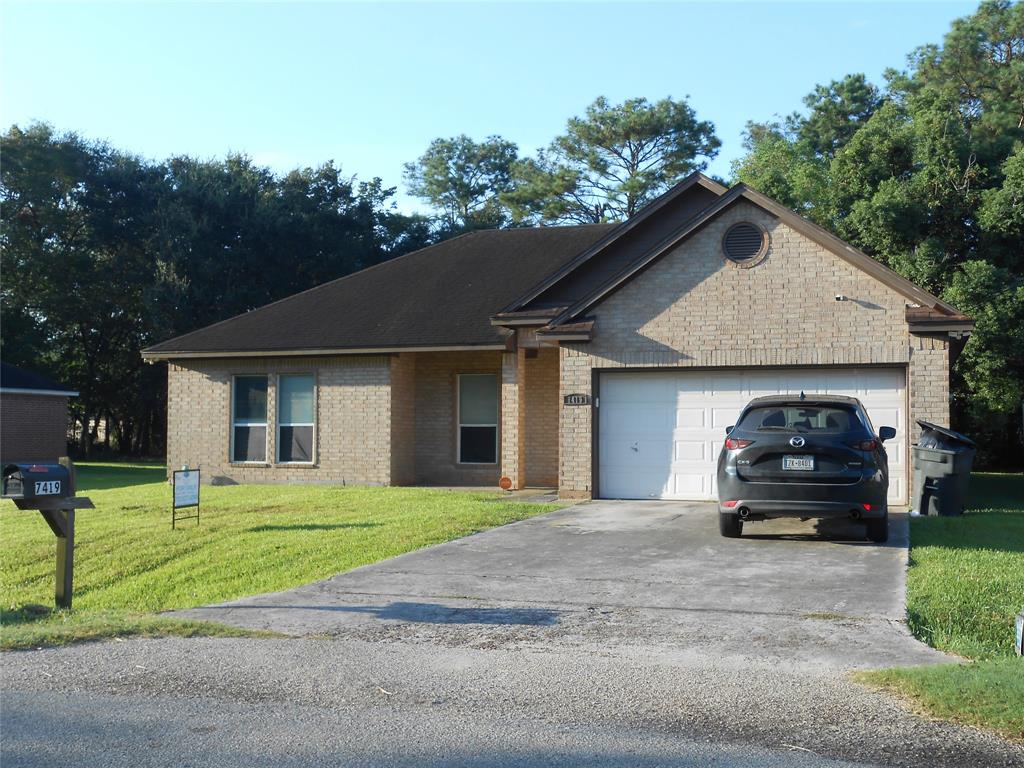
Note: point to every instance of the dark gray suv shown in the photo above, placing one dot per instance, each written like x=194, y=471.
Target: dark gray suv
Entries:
x=806, y=456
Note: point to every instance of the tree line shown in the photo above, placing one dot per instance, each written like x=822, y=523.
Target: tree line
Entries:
x=105, y=252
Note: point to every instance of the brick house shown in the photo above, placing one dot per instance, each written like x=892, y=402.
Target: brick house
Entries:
x=604, y=360
x=33, y=416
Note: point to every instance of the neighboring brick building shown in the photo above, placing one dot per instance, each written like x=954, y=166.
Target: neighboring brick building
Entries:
x=33, y=416
x=488, y=356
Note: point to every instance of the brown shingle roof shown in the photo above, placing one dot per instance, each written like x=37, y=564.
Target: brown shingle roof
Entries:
x=439, y=296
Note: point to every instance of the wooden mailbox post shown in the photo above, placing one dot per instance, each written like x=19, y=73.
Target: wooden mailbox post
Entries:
x=57, y=505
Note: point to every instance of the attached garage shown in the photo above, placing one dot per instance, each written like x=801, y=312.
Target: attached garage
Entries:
x=660, y=433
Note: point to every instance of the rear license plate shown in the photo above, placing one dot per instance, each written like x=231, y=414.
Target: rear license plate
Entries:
x=803, y=463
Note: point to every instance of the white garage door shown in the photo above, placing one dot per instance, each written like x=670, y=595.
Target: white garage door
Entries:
x=660, y=433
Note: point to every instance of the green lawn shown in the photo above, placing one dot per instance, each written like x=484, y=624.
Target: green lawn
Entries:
x=964, y=588
x=129, y=564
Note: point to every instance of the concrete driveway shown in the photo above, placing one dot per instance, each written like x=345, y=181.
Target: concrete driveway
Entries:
x=608, y=634
x=625, y=574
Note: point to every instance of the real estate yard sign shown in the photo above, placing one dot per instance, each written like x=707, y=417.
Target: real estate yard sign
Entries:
x=185, y=485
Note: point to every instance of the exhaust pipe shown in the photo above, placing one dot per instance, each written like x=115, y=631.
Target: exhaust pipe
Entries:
x=744, y=513
x=855, y=514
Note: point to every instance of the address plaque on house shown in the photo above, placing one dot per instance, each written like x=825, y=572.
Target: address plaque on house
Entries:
x=577, y=399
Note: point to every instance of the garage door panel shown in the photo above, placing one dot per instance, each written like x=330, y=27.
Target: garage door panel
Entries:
x=635, y=388
x=634, y=418
x=693, y=484
x=727, y=384
x=725, y=417
x=690, y=450
x=691, y=418
x=640, y=484
x=643, y=452
x=691, y=387
x=661, y=432
x=760, y=385
x=884, y=417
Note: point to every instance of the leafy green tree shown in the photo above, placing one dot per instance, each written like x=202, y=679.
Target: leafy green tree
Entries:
x=464, y=180
x=104, y=254
x=784, y=167
x=835, y=112
x=612, y=162
x=77, y=271
x=234, y=236
x=1002, y=207
x=927, y=177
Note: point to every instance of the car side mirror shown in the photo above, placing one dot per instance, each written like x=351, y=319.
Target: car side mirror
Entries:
x=886, y=433
x=729, y=429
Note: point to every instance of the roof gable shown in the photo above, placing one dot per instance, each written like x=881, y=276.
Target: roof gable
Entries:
x=618, y=247
x=809, y=229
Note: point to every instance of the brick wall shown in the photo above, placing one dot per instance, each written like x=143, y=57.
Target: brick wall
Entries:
x=403, y=419
x=542, y=408
x=33, y=427
x=513, y=417
x=928, y=381
x=694, y=309
x=436, y=420
x=353, y=409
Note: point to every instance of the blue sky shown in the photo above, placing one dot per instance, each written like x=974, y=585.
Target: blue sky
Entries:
x=369, y=85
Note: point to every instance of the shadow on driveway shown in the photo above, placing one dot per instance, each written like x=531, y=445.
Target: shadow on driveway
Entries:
x=426, y=613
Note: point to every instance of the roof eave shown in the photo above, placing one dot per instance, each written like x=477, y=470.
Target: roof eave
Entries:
x=155, y=356
x=538, y=317
x=955, y=327
x=29, y=391
x=579, y=331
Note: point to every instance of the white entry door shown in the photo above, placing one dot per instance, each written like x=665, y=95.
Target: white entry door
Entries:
x=660, y=433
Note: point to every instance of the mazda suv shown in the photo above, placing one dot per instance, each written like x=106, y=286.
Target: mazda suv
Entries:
x=806, y=456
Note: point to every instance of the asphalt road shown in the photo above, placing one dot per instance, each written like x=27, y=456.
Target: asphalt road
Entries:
x=609, y=634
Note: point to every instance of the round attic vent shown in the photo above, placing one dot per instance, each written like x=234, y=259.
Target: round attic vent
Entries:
x=745, y=243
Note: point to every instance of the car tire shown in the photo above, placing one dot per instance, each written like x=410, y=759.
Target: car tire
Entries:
x=877, y=529
x=730, y=526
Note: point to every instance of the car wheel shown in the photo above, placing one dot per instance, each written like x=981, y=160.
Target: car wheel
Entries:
x=730, y=526
x=878, y=529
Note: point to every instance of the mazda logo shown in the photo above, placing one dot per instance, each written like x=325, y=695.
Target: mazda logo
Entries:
x=797, y=442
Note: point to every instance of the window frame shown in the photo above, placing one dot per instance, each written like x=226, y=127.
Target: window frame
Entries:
x=278, y=423
x=459, y=425
x=234, y=423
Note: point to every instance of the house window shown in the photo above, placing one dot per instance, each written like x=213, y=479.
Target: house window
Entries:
x=249, y=419
x=478, y=418
x=295, y=419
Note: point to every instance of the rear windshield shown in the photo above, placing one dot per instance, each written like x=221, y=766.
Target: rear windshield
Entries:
x=822, y=419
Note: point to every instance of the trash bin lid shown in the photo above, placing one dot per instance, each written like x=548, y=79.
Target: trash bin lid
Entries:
x=927, y=425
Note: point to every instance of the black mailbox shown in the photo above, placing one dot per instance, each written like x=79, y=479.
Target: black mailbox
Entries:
x=34, y=481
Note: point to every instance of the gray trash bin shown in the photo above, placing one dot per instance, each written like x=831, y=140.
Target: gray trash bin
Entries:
x=942, y=470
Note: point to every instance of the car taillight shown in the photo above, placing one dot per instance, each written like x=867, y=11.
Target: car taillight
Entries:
x=867, y=507
x=732, y=444
x=730, y=504
x=865, y=445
